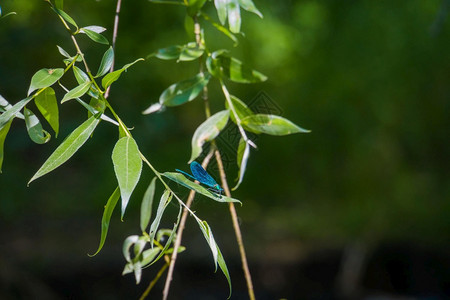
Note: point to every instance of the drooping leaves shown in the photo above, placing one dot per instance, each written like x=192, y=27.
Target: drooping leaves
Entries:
x=146, y=205
x=270, y=124
x=217, y=254
x=127, y=166
x=13, y=111
x=231, y=9
x=243, y=154
x=208, y=131
x=163, y=202
x=44, y=78
x=221, y=65
x=181, y=179
x=106, y=218
x=3, y=133
x=34, y=127
x=47, y=104
x=68, y=147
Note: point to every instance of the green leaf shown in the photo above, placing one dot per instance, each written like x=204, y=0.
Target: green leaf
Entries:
x=107, y=213
x=242, y=158
x=80, y=75
x=181, y=179
x=13, y=111
x=44, y=78
x=113, y=76
x=94, y=28
x=222, y=29
x=63, y=52
x=240, y=108
x=168, y=2
x=146, y=205
x=106, y=63
x=34, y=128
x=187, y=52
x=68, y=147
x=217, y=254
x=221, y=65
x=66, y=17
x=184, y=91
x=234, y=16
x=248, y=5
x=59, y=4
x=165, y=200
x=96, y=37
x=221, y=7
x=208, y=131
x=127, y=244
x=48, y=106
x=149, y=255
x=127, y=166
x=3, y=133
x=194, y=6
x=270, y=124
x=77, y=91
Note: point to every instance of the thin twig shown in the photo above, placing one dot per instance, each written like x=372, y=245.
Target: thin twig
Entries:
x=153, y=282
x=114, y=39
x=237, y=229
x=179, y=236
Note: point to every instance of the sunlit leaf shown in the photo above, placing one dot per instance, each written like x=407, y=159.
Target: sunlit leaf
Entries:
x=34, y=127
x=44, y=78
x=107, y=213
x=127, y=166
x=242, y=158
x=59, y=4
x=187, y=52
x=106, y=63
x=222, y=29
x=66, y=17
x=94, y=28
x=181, y=179
x=239, y=107
x=47, y=104
x=76, y=92
x=270, y=124
x=184, y=91
x=234, y=16
x=127, y=244
x=146, y=205
x=13, y=111
x=163, y=202
x=248, y=5
x=63, y=52
x=3, y=133
x=222, y=65
x=68, y=147
x=96, y=37
x=208, y=131
x=221, y=7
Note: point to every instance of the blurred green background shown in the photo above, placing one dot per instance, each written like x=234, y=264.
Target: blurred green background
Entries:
x=369, y=183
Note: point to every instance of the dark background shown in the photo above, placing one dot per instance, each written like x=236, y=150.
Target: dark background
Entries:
x=358, y=208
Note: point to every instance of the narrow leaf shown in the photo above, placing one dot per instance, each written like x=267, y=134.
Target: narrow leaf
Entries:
x=35, y=131
x=3, y=133
x=107, y=213
x=44, y=78
x=181, y=179
x=66, y=17
x=94, y=28
x=59, y=4
x=270, y=124
x=242, y=158
x=184, y=91
x=248, y=5
x=106, y=63
x=221, y=65
x=146, y=205
x=96, y=37
x=68, y=147
x=76, y=92
x=221, y=7
x=13, y=111
x=80, y=75
x=63, y=52
x=222, y=29
x=127, y=166
x=48, y=106
x=163, y=202
x=234, y=16
x=113, y=76
x=239, y=107
x=208, y=131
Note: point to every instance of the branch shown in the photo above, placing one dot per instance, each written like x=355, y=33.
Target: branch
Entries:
x=114, y=39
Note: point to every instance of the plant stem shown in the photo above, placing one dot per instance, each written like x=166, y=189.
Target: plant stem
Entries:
x=237, y=229
x=179, y=236
x=114, y=38
x=153, y=282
